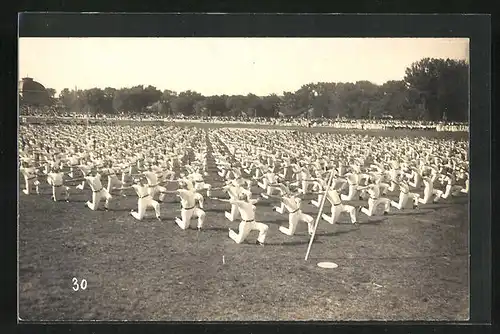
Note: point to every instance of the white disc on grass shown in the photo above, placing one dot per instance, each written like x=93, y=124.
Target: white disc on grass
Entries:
x=327, y=265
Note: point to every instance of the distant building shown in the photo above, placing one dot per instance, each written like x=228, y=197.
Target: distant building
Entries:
x=33, y=93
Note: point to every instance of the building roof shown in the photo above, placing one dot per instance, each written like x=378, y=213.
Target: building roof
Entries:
x=33, y=92
x=28, y=84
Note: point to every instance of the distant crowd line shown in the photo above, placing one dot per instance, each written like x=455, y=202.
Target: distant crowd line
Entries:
x=340, y=123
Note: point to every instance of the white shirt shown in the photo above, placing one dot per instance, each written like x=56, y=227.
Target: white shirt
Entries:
x=188, y=198
x=247, y=210
x=151, y=177
x=196, y=177
x=291, y=203
x=57, y=178
x=404, y=188
x=94, y=182
x=142, y=191
x=73, y=160
x=374, y=191
x=271, y=177
x=333, y=197
x=86, y=169
x=29, y=172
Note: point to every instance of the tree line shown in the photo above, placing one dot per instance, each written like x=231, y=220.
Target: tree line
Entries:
x=432, y=89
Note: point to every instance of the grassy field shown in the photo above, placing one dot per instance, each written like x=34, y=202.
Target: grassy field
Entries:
x=409, y=265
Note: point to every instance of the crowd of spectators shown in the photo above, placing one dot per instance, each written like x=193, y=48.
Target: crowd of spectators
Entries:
x=342, y=123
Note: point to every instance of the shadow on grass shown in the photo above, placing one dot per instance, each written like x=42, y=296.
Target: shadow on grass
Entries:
x=276, y=221
x=169, y=202
x=215, y=210
x=78, y=200
x=121, y=209
x=409, y=213
x=336, y=233
x=313, y=214
x=374, y=222
x=291, y=243
x=438, y=206
x=223, y=229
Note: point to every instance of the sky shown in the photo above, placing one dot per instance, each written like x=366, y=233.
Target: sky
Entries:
x=232, y=66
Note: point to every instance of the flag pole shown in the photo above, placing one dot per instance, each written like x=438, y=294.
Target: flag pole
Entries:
x=320, y=211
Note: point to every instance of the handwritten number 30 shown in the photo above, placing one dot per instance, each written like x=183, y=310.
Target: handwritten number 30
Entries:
x=83, y=284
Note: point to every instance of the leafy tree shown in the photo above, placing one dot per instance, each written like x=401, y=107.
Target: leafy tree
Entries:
x=289, y=105
x=253, y=106
x=215, y=105
x=200, y=108
x=151, y=95
x=431, y=89
x=93, y=100
x=270, y=105
x=441, y=86
x=51, y=92
x=346, y=99
x=120, y=101
x=236, y=104
x=394, y=99
x=107, y=101
x=67, y=98
x=184, y=103
x=166, y=99
x=306, y=98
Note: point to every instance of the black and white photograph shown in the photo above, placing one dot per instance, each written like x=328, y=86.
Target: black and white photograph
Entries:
x=243, y=179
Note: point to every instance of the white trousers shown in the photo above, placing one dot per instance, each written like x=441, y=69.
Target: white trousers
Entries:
x=244, y=182
x=143, y=204
x=72, y=171
x=245, y=228
x=287, y=173
x=97, y=197
x=294, y=219
x=374, y=203
x=450, y=191
x=383, y=188
x=318, y=202
x=264, y=185
x=415, y=184
x=403, y=200
x=187, y=215
x=29, y=184
x=353, y=191
x=153, y=191
x=114, y=183
x=392, y=187
x=428, y=196
x=203, y=186
x=57, y=192
x=235, y=213
x=305, y=186
x=466, y=189
x=336, y=210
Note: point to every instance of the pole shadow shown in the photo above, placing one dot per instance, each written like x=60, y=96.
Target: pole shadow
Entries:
x=412, y=213
x=336, y=233
x=218, y=229
x=374, y=222
x=437, y=206
x=121, y=209
x=291, y=243
x=78, y=200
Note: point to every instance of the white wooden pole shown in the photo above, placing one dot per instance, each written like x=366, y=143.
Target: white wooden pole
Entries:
x=323, y=199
